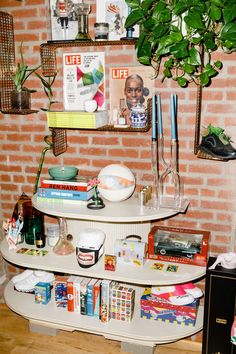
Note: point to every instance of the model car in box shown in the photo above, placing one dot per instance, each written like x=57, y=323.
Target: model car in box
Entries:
x=178, y=245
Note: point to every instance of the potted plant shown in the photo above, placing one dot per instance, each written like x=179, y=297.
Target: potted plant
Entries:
x=20, y=96
x=178, y=38
x=182, y=34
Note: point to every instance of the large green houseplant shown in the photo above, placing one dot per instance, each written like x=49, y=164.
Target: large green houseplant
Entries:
x=184, y=33
x=178, y=38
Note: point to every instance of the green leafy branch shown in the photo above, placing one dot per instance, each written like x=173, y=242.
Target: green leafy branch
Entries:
x=183, y=34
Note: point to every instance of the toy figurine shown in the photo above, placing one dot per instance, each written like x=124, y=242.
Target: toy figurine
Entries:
x=63, y=10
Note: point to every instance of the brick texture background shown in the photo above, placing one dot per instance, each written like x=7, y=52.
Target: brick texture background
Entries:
x=210, y=185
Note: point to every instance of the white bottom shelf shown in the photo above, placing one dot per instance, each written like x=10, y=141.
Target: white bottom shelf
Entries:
x=139, y=331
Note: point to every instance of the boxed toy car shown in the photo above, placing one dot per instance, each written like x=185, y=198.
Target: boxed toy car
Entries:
x=153, y=308
x=178, y=245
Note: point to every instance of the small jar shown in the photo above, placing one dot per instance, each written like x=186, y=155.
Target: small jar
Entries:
x=101, y=30
x=138, y=116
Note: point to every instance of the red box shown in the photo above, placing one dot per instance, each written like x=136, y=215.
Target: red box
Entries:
x=178, y=245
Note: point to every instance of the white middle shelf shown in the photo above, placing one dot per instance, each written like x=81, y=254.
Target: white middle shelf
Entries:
x=144, y=275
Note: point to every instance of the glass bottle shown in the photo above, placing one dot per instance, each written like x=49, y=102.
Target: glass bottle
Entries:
x=34, y=228
x=64, y=245
x=83, y=24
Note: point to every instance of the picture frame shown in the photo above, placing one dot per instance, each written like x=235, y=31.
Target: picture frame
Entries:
x=63, y=27
x=114, y=12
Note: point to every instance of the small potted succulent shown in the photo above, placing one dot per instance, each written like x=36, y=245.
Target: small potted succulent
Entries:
x=20, y=96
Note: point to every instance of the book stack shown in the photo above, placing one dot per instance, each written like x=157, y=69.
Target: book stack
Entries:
x=76, y=189
x=103, y=299
x=83, y=295
x=77, y=120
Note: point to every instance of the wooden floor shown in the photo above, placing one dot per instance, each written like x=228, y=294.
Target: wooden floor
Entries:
x=15, y=338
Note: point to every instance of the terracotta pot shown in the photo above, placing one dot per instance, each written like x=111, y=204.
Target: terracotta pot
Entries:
x=20, y=100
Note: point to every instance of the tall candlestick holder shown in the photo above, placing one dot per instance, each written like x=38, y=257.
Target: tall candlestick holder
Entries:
x=154, y=200
x=175, y=200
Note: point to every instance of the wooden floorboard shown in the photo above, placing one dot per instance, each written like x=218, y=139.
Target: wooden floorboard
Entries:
x=15, y=338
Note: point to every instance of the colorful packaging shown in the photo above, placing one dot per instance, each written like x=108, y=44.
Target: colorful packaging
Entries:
x=122, y=302
x=153, y=308
x=130, y=250
x=178, y=245
x=60, y=290
x=42, y=293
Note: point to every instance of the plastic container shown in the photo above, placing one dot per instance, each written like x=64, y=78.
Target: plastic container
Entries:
x=52, y=235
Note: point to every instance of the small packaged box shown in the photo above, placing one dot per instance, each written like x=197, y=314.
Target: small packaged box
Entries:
x=60, y=290
x=110, y=262
x=42, y=293
x=122, y=302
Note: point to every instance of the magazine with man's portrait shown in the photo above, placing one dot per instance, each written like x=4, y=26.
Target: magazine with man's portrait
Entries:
x=118, y=78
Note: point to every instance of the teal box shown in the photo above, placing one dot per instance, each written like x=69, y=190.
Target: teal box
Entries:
x=42, y=292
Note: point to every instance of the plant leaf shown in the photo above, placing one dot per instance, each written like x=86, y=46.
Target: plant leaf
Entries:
x=134, y=17
x=194, y=20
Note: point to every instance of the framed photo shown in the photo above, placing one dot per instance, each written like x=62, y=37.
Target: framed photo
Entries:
x=63, y=19
x=114, y=12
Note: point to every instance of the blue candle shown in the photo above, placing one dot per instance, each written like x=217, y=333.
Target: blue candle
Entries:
x=173, y=117
x=154, y=120
x=159, y=113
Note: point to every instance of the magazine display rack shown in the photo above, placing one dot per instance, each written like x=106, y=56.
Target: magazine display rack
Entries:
x=116, y=220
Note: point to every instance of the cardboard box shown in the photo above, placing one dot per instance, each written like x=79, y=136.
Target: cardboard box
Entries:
x=42, y=293
x=178, y=245
x=154, y=309
x=122, y=302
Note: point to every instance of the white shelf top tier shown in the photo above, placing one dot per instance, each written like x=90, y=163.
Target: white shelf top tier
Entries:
x=116, y=212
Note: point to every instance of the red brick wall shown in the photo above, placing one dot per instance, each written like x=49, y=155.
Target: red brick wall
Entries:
x=210, y=185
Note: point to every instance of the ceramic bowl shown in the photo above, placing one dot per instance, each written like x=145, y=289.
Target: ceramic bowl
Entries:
x=63, y=172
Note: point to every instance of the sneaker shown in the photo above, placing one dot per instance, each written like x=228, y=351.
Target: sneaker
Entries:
x=217, y=144
x=190, y=288
x=28, y=284
x=22, y=276
x=175, y=295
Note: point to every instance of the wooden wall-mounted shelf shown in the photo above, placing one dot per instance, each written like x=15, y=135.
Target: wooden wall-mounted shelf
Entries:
x=48, y=51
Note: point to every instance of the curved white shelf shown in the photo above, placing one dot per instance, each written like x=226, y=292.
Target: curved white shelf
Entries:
x=124, y=273
x=122, y=212
x=140, y=331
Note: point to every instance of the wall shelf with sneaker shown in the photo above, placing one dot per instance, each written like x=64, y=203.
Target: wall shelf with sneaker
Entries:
x=116, y=220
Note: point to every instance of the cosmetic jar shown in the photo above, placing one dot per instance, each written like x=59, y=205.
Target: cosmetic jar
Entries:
x=101, y=30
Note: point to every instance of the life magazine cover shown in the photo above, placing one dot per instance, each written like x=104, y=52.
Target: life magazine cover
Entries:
x=114, y=12
x=83, y=79
x=64, y=19
x=129, y=85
